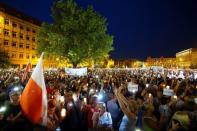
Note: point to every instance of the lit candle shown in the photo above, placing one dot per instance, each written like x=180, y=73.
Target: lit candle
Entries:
x=91, y=91
x=70, y=104
x=147, y=85
x=74, y=97
x=62, y=99
x=175, y=97
x=63, y=112
x=85, y=100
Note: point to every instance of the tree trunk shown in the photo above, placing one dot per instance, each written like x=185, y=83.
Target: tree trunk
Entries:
x=74, y=65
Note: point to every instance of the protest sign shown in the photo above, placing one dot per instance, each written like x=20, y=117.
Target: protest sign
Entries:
x=168, y=92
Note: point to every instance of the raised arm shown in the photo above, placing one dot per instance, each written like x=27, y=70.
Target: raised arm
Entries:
x=124, y=105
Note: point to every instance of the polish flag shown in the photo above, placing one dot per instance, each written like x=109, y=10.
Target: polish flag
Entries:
x=28, y=67
x=34, y=98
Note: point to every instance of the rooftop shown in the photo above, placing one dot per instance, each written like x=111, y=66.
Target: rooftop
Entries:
x=11, y=11
x=186, y=51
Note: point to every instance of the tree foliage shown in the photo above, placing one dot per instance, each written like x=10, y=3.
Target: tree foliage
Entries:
x=4, y=59
x=76, y=33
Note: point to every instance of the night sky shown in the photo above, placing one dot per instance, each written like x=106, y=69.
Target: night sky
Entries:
x=140, y=28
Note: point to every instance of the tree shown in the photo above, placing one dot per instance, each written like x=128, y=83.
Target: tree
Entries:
x=76, y=33
x=4, y=59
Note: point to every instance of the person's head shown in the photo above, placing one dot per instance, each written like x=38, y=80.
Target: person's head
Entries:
x=51, y=106
x=164, y=100
x=182, y=120
x=14, y=96
x=101, y=108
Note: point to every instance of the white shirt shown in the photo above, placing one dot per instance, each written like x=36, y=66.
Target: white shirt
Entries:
x=105, y=119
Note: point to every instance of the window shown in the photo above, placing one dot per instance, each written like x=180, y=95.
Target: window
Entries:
x=27, y=29
x=13, y=55
x=27, y=56
x=21, y=27
x=21, y=36
x=33, y=39
x=21, y=55
x=27, y=37
x=33, y=56
x=6, y=21
x=6, y=42
x=21, y=45
x=27, y=46
x=33, y=31
x=33, y=47
x=14, y=24
x=14, y=44
x=14, y=34
x=6, y=32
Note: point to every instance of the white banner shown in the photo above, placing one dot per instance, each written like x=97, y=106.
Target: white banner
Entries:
x=76, y=71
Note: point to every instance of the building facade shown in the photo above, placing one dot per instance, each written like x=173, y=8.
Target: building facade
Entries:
x=129, y=63
x=164, y=62
x=187, y=58
x=184, y=59
x=18, y=37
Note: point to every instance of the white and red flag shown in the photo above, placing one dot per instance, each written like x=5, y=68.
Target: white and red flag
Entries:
x=34, y=97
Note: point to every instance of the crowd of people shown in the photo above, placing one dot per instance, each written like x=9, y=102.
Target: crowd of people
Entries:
x=106, y=100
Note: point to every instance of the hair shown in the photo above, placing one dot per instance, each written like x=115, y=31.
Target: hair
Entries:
x=51, y=104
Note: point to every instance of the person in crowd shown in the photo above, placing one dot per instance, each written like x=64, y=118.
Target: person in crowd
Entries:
x=13, y=118
x=53, y=120
x=102, y=120
x=122, y=108
x=90, y=110
x=115, y=111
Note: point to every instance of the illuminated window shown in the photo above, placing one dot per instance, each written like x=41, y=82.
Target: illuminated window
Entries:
x=27, y=46
x=6, y=42
x=21, y=45
x=21, y=55
x=33, y=56
x=21, y=36
x=27, y=29
x=14, y=24
x=6, y=32
x=21, y=27
x=13, y=55
x=27, y=37
x=6, y=22
x=14, y=44
x=14, y=34
x=33, y=39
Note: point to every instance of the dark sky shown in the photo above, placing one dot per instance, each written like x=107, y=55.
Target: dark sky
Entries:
x=140, y=28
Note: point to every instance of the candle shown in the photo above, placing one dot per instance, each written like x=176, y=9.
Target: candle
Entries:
x=63, y=112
